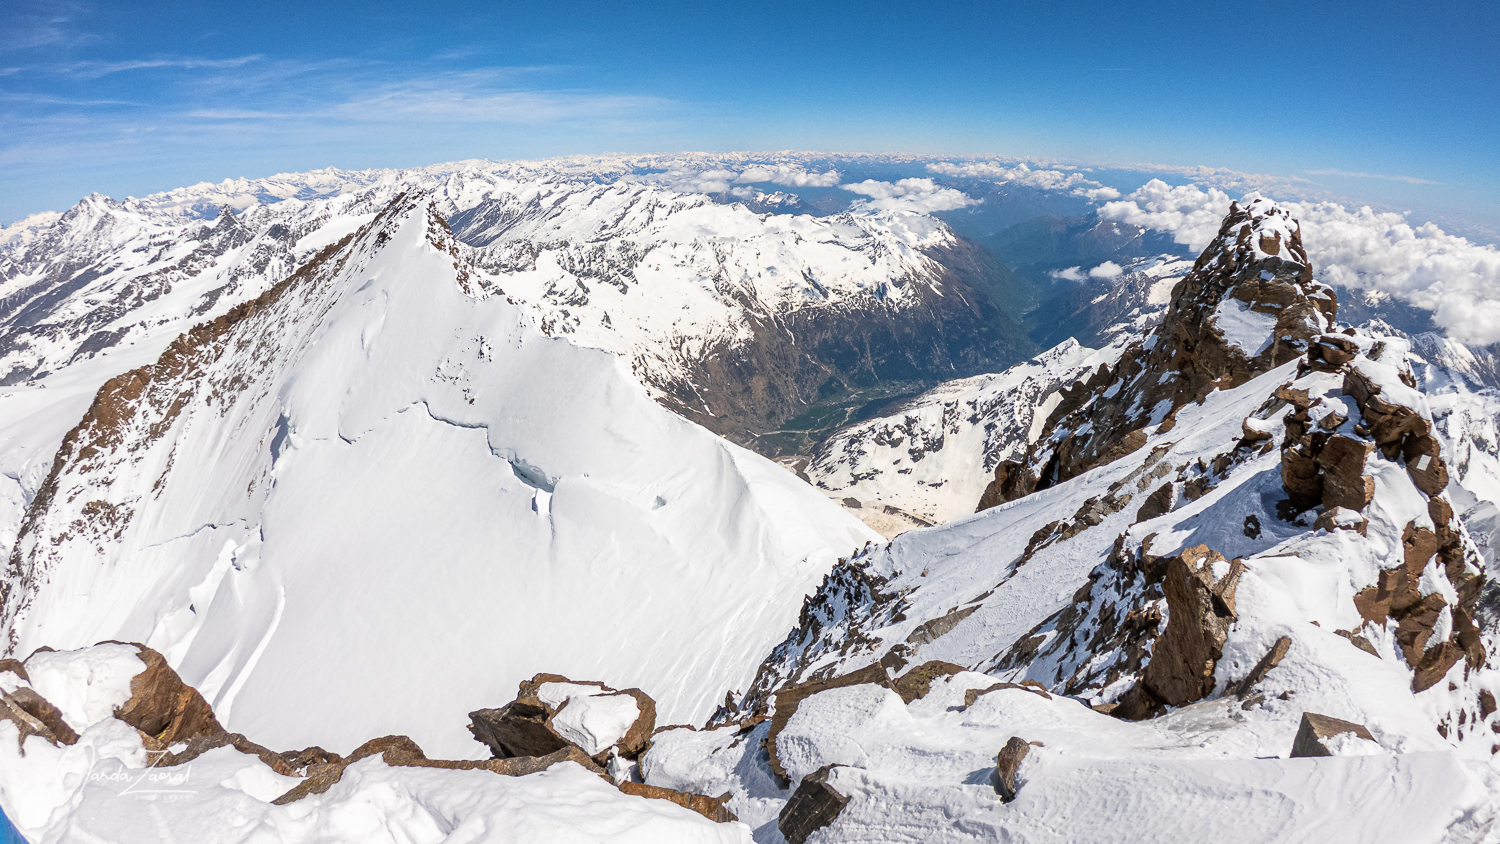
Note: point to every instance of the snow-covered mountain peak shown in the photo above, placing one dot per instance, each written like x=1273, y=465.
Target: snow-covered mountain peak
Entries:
x=366, y=442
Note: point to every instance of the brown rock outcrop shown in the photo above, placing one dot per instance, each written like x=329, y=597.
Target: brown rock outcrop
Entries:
x=916, y=683
x=1188, y=355
x=1200, y=609
x=712, y=808
x=1331, y=351
x=814, y=805
x=1345, y=484
x=1315, y=730
x=523, y=727
x=1263, y=667
x=972, y=695
x=34, y=715
x=1157, y=503
x=1341, y=519
x=1424, y=464
x=402, y=752
x=788, y=699
x=165, y=709
x=1435, y=664
x=1007, y=763
x=1300, y=475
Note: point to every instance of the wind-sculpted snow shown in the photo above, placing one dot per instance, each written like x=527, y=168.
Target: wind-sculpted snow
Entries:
x=365, y=468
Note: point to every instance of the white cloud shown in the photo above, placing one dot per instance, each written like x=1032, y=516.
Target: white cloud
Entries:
x=1361, y=249
x=689, y=181
x=789, y=175
x=918, y=195
x=1069, y=274
x=1022, y=174
x=734, y=181
x=1192, y=215
x=96, y=69
x=1108, y=269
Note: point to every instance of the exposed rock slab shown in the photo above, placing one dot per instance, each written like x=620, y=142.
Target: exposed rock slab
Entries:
x=526, y=726
x=1315, y=731
x=814, y=805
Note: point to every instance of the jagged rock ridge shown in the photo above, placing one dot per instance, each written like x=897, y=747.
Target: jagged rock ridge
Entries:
x=1249, y=305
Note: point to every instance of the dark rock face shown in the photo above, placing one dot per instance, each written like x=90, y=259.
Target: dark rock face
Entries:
x=1007, y=763
x=850, y=594
x=1256, y=267
x=523, y=727
x=813, y=806
x=1200, y=610
x=1032, y=686
x=1315, y=730
x=1263, y=667
x=1345, y=484
x=788, y=699
x=402, y=752
x=165, y=709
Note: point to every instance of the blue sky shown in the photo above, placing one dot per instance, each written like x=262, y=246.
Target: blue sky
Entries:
x=1381, y=102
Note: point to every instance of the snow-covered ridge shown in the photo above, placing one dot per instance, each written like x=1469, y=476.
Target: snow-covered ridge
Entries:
x=366, y=442
x=699, y=297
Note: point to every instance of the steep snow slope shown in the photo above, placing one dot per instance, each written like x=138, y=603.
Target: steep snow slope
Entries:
x=365, y=468
x=934, y=455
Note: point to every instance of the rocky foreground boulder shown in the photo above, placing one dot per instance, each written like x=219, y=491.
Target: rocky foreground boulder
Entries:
x=551, y=712
x=1319, y=734
x=814, y=805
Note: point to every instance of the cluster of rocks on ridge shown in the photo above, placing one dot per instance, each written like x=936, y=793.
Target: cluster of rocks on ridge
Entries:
x=177, y=725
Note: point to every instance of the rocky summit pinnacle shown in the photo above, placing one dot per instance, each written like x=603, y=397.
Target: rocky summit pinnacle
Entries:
x=1249, y=305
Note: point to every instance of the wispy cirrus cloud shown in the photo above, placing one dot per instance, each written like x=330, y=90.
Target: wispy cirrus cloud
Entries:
x=51, y=24
x=97, y=69
x=1353, y=174
x=47, y=99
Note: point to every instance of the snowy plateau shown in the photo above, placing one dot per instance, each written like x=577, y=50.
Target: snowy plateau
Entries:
x=742, y=498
